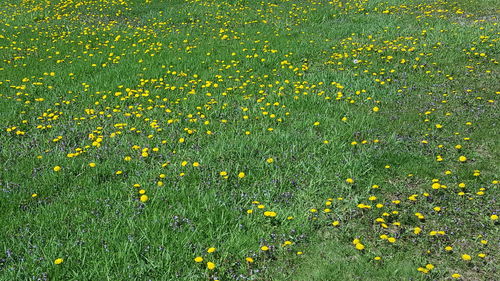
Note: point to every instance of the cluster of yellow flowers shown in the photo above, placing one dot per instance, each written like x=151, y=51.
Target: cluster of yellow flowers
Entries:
x=206, y=115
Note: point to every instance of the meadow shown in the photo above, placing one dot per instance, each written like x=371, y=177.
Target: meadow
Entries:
x=249, y=140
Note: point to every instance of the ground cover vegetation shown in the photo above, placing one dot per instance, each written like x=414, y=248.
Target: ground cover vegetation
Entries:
x=249, y=140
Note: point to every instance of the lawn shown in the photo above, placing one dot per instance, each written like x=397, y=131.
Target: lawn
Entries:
x=249, y=140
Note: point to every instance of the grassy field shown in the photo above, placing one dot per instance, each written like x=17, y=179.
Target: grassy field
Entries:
x=249, y=140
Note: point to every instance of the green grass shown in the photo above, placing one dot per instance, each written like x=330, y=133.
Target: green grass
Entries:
x=145, y=89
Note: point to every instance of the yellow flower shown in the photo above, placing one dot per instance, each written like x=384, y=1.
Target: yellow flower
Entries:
x=198, y=259
x=423, y=270
x=57, y=168
x=92, y=164
x=58, y=261
x=144, y=198
x=211, y=265
x=375, y=109
x=456, y=275
x=264, y=248
x=250, y=260
x=360, y=246
x=349, y=180
x=448, y=248
x=494, y=217
x=270, y=160
x=462, y=158
x=241, y=175
x=466, y=257
x=336, y=223
x=211, y=250
x=270, y=214
x=417, y=230
x=391, y=239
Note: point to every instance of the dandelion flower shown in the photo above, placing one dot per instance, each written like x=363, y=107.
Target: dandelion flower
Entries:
x=466, y=257
x=360, y=246
x=210, y=265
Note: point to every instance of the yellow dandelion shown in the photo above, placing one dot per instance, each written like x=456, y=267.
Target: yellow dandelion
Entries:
x=210, y=265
